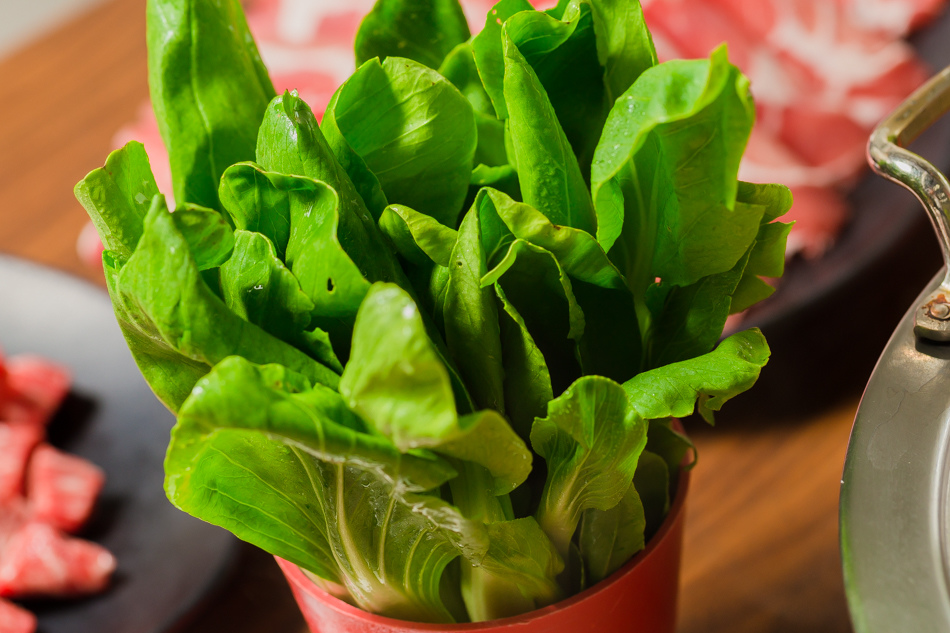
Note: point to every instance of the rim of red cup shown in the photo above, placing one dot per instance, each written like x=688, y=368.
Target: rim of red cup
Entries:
x=296, y=576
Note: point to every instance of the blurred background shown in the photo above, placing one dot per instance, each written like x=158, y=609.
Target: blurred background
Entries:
x=23, y=21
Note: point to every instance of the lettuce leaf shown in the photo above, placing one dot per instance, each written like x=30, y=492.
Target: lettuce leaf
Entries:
x=459, y=67
x=487, y=49
x=417, y=237
x=290, y=142
x=176, y=327
x=543, y=295
x=250, y=435
x=664, y=173
x=591, y=440
x=527, y=379
x=624, y=44
x=420, y=30
x=548, y=171
x=706, y=382
x=414, y=130
x=117, y=197
x=209, y=90
x=470, y=317
x=609, y=538
x=563, y=53
x=398, y=383
x=257, y=287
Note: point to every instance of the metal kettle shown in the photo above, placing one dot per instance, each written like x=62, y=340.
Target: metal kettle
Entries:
x=895, y=489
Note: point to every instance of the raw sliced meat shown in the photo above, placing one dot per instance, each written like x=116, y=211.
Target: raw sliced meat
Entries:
x=814, y=71
x=62, y=488
x=298, y=22
x=18, y=410
x=696, y=27
x=3, y=380
x=13, y=619
x=819, y=210
x=36, y=558
x=13, y=515
x=39, y=382
x=17, y=441
x=818, y=214
x=41, y=561
x=894, y=17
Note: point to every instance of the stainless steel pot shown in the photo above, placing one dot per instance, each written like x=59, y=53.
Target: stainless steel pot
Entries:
x=895, y=490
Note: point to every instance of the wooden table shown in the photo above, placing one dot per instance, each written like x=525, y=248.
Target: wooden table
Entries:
x=761, y=552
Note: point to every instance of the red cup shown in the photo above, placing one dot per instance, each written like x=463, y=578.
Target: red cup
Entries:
x=640, y=597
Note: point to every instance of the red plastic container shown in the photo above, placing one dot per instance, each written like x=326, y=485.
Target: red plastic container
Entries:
x=640, y=597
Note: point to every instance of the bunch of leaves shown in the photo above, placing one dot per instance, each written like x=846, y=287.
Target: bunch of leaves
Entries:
x=429, y=349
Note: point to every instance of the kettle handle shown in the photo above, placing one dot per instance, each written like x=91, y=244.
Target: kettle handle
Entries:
x=888, y=157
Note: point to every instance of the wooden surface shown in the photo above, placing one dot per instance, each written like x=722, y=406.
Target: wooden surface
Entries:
x=761, y=552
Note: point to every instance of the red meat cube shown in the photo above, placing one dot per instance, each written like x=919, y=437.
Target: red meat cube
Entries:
x=17, y=441
x=37, y=384
x=13, y=619
x=62, y=488
x=41, y=561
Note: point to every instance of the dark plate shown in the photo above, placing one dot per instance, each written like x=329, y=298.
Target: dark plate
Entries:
x=168, y=561
x=832, y=316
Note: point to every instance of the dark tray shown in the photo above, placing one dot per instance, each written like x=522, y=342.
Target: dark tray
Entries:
x=168, y=562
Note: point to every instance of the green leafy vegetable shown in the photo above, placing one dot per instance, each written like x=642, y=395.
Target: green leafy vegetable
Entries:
x=652, y=481
x=488, y=51
x=563, y=54
x=209, y=89
x=470, y=318
x=609, y=538
x=767, y=258
x=255, y=201
x=688, y=320
x=680, y=128
x=610, y=345
x=176, y=327
x=414, y=130
x=459, y=68
x=259, y=288
x=543, y=296
x=591, y=440
x=243, y=418
x=365, y=181
x=577, y=251
x=397, y=381
x=709, y=380
x=624, y=44
x=517, y=574
x=527, y=379
x=548, y=170
x=431, y=349
x=422, y=30
x=290, y=142
x=117, y=198
x=334, y=247
x=209, y=236
x=418, y=237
